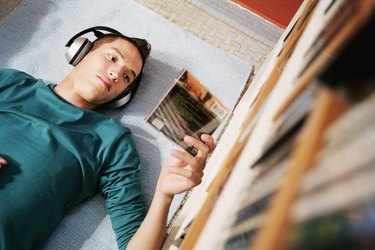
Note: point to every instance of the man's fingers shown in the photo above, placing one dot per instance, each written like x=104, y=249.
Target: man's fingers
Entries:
x=185, y=157
x=174, y=161
x=202, y=148
x=209, y=141
x=193, y=177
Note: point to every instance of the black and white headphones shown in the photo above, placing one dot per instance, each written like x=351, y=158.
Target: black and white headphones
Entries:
x=79, y=47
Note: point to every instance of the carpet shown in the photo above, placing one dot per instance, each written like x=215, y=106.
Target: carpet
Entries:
x=33, y=39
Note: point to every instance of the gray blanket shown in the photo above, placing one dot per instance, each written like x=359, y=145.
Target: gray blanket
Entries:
x=33, y=39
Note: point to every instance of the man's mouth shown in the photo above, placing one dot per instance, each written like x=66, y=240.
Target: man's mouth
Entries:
x=105, y=81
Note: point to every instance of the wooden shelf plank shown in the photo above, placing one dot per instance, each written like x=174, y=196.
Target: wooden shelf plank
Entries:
x=327, y=109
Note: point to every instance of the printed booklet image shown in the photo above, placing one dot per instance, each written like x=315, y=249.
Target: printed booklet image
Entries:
x=187, y=108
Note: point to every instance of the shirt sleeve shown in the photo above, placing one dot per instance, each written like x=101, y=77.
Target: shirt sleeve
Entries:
x=121, y=188
x=11, y=77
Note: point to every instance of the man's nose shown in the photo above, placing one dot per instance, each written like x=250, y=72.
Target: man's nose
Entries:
x=115, y=72
x=113, y=75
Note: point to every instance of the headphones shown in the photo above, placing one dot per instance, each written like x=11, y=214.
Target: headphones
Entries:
x=79, y=47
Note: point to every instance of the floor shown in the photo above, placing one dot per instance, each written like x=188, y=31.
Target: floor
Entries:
x=7, y=6
x=221, y=24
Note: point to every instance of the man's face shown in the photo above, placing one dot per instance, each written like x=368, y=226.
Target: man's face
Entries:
x=106, y=71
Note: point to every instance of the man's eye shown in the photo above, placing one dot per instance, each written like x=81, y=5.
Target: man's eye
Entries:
x=112, y=58
x=126, y=77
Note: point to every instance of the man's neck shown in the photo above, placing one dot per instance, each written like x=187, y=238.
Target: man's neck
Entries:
x=66, y=91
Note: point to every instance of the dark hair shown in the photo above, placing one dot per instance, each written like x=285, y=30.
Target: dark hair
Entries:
x=142, y=45
x=144, y=49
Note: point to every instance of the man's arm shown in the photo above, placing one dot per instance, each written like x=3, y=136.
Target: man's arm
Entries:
x=120, y=186
x=180, y=173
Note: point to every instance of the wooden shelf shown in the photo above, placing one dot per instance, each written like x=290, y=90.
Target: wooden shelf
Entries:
x=319, y=33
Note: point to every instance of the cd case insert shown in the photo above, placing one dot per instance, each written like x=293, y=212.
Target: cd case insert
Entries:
x=187, y=108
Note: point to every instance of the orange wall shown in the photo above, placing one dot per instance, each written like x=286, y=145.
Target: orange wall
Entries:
x=279, y=12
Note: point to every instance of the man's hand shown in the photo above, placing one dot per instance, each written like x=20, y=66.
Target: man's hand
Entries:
x=182, y=171
x=3, y=162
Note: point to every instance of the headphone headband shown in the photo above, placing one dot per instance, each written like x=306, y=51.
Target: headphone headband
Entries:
x=96, y=31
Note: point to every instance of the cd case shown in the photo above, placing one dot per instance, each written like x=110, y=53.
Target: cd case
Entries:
x=187, y=108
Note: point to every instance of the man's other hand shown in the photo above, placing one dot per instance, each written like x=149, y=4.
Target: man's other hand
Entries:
x=3, y=162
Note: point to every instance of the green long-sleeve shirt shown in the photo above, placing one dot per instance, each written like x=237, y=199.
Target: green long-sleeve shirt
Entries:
x=59, y=155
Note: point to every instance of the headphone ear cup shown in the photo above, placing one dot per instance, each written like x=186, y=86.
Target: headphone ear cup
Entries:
x=120, y=102
x=78, y=50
